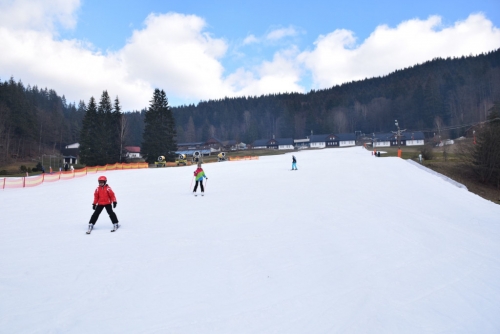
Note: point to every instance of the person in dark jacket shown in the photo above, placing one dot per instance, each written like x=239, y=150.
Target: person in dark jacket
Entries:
x=104, y=198
x=294, y=163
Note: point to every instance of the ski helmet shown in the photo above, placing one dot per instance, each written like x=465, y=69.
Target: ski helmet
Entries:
x=102, y=179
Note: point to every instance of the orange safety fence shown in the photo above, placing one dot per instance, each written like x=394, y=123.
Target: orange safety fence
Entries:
x=32, y=181
x=243, y=158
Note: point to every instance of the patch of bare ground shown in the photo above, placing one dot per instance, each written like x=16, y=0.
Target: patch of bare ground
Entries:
x=457, y=171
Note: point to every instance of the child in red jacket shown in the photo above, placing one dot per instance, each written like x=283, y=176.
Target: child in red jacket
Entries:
x=103, y=198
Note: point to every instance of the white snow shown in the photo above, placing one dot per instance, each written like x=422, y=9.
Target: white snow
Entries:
x=349, y=243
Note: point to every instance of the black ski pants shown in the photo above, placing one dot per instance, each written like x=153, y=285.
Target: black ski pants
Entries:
x=98, y=211
x=201, y=186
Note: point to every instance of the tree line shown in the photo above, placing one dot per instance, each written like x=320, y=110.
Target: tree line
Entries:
x=437, y=95
x=441, y=93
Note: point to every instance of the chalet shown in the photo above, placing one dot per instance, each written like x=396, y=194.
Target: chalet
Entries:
x=414, y=138
x=274, y=144
x=132, y=152
x=71, y=153
x=332, y=140
x=214, y=143
x=322, y=141
x=301, y=143
x=346, y=139
x=382, y=139
x=230, y=145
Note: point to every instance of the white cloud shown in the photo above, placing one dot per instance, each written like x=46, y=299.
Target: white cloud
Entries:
x=250, y=39
x=175, y=53
x=172, y=52
x=281, y=33
x=337, y=58
x=282, y=74
x=68, y=67
x=38, y=14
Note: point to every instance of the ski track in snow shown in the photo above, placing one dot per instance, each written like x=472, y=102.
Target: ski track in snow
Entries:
x=349, y=243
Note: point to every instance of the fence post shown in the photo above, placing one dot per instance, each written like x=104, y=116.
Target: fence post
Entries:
x=24, y=181
x=4, y=183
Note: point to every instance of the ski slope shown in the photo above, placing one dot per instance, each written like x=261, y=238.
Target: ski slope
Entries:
x=349, y=243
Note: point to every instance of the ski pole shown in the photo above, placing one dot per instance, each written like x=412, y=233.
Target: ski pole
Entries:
x=191, y=185
x=206, y=182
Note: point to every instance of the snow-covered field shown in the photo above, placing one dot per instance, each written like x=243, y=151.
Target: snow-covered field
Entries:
x=349, y=243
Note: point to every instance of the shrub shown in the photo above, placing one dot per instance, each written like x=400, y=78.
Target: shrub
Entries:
x=427, y=152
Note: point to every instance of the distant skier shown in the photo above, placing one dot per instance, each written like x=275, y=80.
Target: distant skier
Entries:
x=199, y=174
x=103, y=198
x=294, y=163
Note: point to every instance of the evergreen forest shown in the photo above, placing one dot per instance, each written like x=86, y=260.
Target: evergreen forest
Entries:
x=448, y=95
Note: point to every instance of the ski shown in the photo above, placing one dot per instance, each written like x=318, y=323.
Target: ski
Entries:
x=90, y=229
x=115, y=228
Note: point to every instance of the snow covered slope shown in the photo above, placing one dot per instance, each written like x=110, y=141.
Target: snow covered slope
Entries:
x=349, y=243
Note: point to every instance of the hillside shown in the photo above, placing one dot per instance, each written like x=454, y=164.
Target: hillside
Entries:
x=439, y=94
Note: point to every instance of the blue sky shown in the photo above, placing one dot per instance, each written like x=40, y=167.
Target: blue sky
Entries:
x=199, y=50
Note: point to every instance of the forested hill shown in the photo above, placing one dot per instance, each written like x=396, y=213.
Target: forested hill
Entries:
x=444, y=93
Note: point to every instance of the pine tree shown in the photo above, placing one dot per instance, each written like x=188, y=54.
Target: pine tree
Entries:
x=159, y=138
x=120, y=127
x=88, y=136
x=486, y=155
x=105, y=130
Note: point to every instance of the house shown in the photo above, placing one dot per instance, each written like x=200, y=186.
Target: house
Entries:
x=71, y=153
x=382, y=139
x=274, y=144
x=346, y=139
x=322, y=141
x=230, y=145
x=132, y=152
x=214, y=143
x=332, y=140
x=414, y=138
x=301, y=143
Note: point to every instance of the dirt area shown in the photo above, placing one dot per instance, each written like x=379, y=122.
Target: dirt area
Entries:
x=454, y=170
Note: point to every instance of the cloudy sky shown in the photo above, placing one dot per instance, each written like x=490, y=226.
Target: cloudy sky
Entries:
x=200, y=50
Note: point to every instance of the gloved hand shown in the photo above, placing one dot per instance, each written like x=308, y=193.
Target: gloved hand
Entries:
x=93, y=206
x=114, y=204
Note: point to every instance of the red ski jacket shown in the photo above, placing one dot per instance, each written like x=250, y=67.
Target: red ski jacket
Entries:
x=104, y=195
